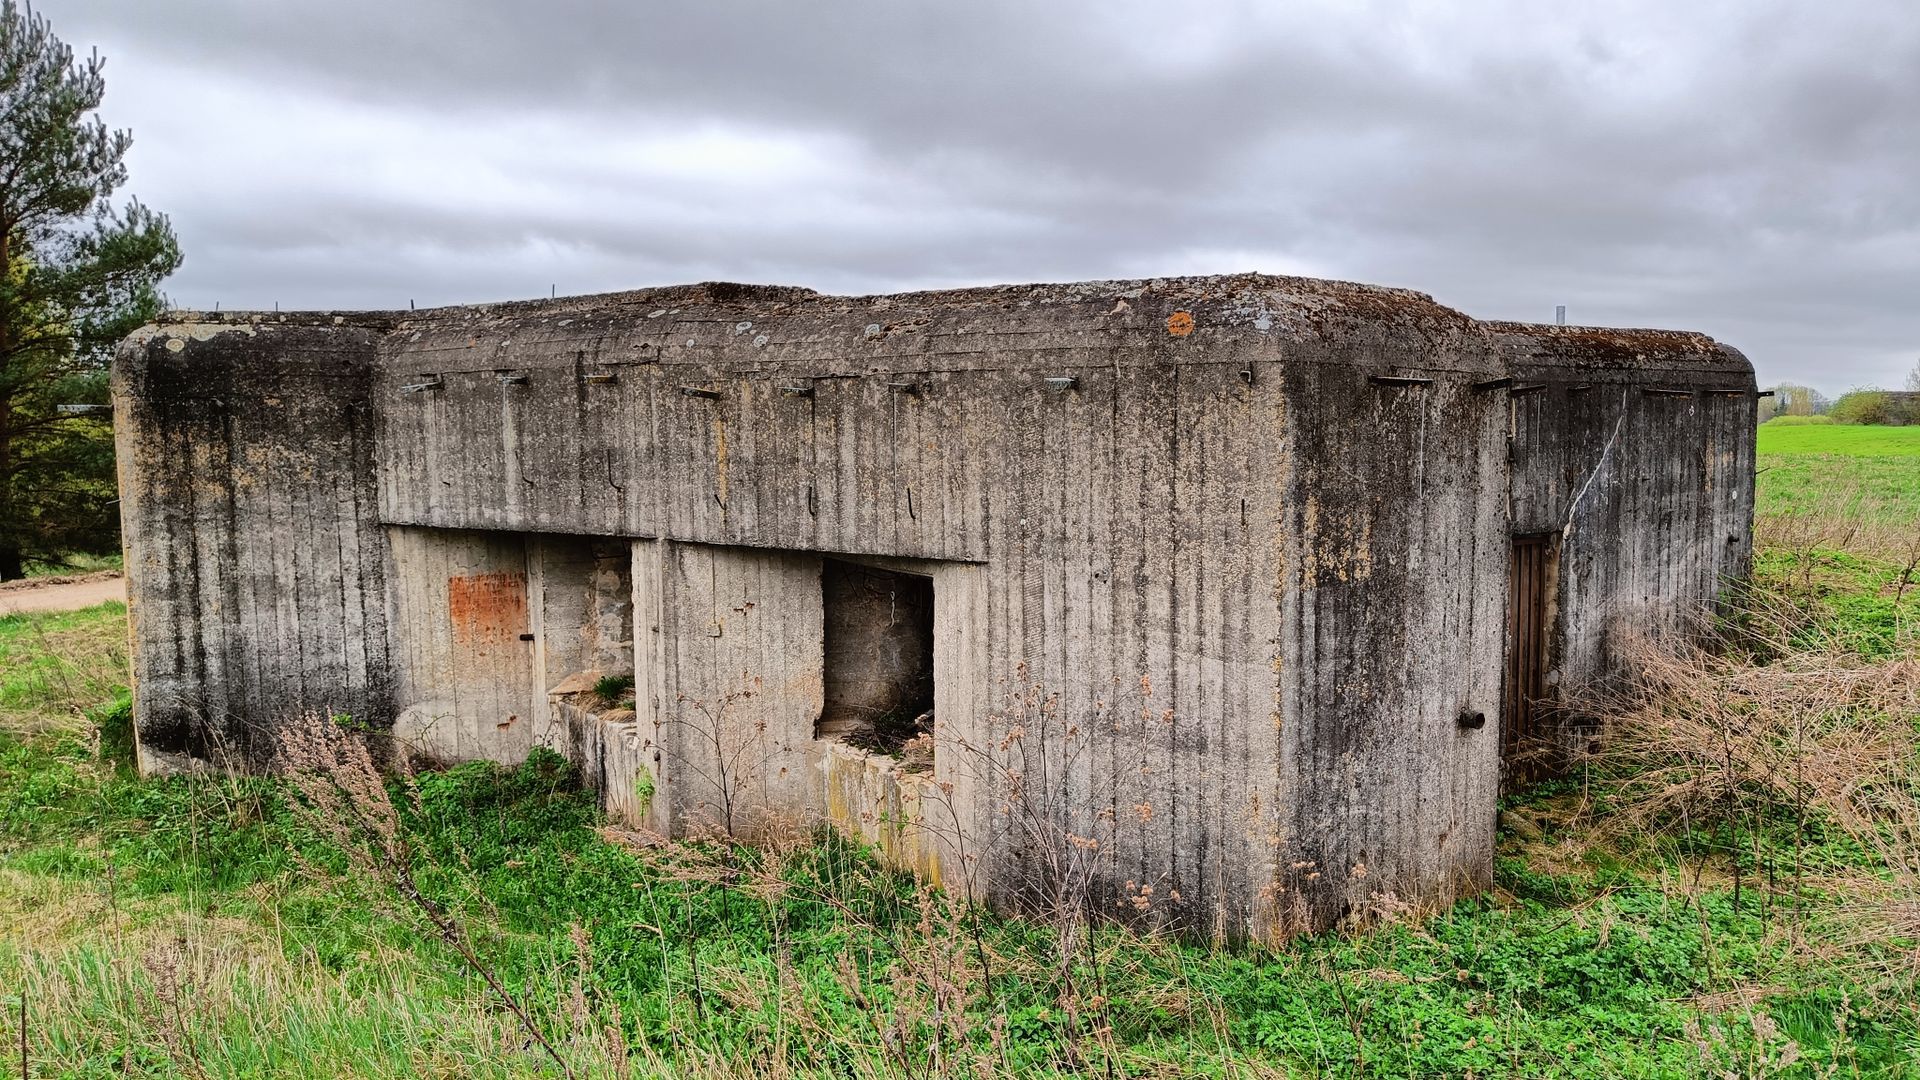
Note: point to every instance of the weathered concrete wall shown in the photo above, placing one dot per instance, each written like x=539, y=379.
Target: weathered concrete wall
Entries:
x=467, y=688
x=730, y=678
x=561, y=571
x=870, y=797
x=1218, y=564
x=1200, y=551
x=1635, y=449
x=614, y=754
x=256, y=562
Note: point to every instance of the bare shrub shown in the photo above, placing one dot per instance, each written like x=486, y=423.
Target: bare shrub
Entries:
x=1844, y=516
x=1773, y=757
x=726, y=750
x=931, y=987
x=341, y=795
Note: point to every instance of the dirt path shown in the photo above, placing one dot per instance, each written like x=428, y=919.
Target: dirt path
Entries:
x=61, y=593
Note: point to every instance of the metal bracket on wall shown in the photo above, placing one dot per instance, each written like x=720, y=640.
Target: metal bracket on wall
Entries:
x=904, y=387
x=602, y=377
x=1061, y=383
x=511, y=378
x=1530, y=388
x=700, y=392
x=796, y=390
x=1399, y=380
x=1493, y=384
x=1661, y=391
x=434, y=382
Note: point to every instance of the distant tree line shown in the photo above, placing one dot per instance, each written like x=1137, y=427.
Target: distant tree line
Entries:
x=1863, y=405
x=1870, y=406
x=1792, y=399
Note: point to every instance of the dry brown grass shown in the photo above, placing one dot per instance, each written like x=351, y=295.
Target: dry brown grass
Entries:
x=1802, y=761
x=1842, y=520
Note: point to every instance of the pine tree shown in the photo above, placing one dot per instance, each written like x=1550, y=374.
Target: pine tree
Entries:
x=79, y=273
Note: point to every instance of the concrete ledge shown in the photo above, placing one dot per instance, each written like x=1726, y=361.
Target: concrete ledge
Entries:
x=868, y=797
x=872, y=798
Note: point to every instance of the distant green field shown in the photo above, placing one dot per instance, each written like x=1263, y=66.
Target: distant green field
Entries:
x=1840, y=474
x=1853, y=440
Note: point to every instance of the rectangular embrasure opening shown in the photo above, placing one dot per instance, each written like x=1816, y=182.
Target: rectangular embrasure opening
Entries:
x=878, y=656
x=585, y=611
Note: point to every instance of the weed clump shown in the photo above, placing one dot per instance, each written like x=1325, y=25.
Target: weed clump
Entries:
x=113, y=719
x=615, y=691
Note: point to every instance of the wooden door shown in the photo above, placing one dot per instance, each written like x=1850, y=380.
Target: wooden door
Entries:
x=1527, y=640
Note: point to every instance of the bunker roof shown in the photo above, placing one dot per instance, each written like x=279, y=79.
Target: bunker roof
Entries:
x=1017, y=318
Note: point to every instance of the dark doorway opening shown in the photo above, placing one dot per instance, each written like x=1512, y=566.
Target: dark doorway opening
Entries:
x=878, y=655
x=1529, y=585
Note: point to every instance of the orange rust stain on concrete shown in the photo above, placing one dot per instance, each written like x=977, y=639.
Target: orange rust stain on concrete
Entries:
x=487, y=609
x=1180, y=323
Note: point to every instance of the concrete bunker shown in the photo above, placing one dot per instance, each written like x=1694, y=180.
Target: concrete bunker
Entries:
x=1209, y=575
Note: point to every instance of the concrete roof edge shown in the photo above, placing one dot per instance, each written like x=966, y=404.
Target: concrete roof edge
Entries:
x=721, y=293
x=1549, y=345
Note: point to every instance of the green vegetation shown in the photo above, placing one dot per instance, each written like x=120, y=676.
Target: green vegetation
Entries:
x=615, y=690
x=1730, y=891
x=1838, y=487
x=76, y=562
x=77, y=274
x=1874, y=407
x=1823, y=435
x=1838, y=524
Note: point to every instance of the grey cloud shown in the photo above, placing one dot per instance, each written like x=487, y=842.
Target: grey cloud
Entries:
x=1743, y=168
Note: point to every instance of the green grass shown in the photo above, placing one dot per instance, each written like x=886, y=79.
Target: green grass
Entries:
x=1851, y=440
x=53, y=666
x=197, y=927
x=78, y=562
x=1838, y=486
x=1861, y=605
x=615, y=690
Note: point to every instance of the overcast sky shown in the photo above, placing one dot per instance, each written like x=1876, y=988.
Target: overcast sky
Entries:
x=1750, y=168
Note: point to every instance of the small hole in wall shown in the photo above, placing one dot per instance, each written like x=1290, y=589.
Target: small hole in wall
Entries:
x=878, y=656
